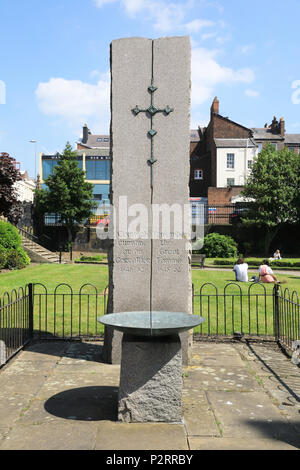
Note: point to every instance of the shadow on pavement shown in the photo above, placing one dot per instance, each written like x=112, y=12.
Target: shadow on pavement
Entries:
x=85, y=404
x=277, y=430
x=90, y=351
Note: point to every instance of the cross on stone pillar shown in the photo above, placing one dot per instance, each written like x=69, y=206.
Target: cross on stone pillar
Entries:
x=152, y=110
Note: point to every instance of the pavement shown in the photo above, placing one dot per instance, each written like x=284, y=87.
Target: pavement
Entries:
x=237, y=395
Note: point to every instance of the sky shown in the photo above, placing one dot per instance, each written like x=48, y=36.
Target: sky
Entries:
x=55, y=76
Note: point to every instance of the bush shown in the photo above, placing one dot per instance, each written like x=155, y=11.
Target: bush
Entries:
x=3, y=257
x=12, y=255
x=16, y=259
x=219, y=246
x=288, y=263
x=9, y=236
x=90, y=259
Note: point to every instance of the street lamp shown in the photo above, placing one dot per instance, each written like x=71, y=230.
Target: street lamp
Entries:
x=34, y=142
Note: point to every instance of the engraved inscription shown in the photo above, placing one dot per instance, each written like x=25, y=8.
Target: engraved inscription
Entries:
x=131, y=256
x=168, y=259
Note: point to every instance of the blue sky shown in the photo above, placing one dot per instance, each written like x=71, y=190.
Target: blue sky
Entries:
x=54, y=63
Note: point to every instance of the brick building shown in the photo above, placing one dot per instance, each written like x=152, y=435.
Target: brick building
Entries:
x=223, y=156
x=221, y=159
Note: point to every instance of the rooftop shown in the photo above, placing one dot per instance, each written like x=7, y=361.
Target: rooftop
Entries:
x=234, y=143
x=292, y=138
x=265, y=133
x=96, y=141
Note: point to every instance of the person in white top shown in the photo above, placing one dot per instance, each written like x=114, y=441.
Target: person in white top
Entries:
x=241, y=270
x=265, y=272
x=277, y=255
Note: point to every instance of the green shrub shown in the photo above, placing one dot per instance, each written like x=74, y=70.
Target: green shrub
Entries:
x=219, y=246
x=9, y=236
x=257, y=262
x=16, y=258
x=90, y=259
x=2, y=257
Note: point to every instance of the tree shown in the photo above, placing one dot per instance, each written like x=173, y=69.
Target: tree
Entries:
x=219, y=246
x=67, y=193
x=273, y=188
x=10, y=206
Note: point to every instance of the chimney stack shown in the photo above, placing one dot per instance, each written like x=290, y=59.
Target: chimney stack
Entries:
x=282, y=127
x=215, y=106
x=85, y=134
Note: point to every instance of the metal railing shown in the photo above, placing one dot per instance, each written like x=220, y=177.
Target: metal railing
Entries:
x=234, y=311
x=16, y=321
x=42, y=240
x=65, y=314
x=255, y=310
x=286, y=316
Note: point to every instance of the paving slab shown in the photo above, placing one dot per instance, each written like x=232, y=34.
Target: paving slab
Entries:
x=62, y=396
x=222, y=378
x=44, y=349
x=141, y=436
x=51, y=436
x=201, y=443
x=11, y=385
x=11, y=408
x=74, y=404
x=199, y=419
x=250, y=414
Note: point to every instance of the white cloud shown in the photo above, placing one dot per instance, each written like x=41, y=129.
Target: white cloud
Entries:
x=195, y=25
x=246, y=48
x=75, y=101
x=252, y=93
x=207, y=74
x=166, y=15
x=100, y=3
x=296, y=93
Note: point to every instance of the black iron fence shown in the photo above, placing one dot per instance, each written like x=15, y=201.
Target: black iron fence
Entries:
x=66, y=314
x=236, y=311
x=286, y=316
x=16, y=321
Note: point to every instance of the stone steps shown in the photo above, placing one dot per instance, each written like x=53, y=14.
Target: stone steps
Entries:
x=38, y=253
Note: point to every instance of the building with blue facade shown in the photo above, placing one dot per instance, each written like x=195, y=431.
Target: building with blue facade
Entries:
x=96, y=165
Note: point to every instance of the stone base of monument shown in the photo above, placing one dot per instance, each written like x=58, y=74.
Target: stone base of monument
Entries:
x=150, y=380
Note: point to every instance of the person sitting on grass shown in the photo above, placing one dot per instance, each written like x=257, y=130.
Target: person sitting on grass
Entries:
x=276, y=256
x=265, y=272
x=241, y=270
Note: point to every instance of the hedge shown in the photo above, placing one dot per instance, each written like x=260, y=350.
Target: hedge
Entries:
x=90, y=259
x=257, y=263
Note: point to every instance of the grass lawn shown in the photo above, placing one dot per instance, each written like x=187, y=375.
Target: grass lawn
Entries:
x=68, y=314
x=53, y=274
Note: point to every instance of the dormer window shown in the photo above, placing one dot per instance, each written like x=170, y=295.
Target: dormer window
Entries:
x=198, y=174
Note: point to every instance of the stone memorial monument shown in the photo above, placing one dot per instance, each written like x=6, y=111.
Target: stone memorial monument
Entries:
x=150, y=288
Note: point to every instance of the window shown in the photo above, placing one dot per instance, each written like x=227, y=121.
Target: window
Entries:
x=198, y=174
x=101, y=194
x=292, y=149
x=48, y=166
x=97, y=169
x=230, y=182
x=99, y=139
x=259, y=146
x=274, y=144
x=250, y=162
x=106, y=139
x=230, y=161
